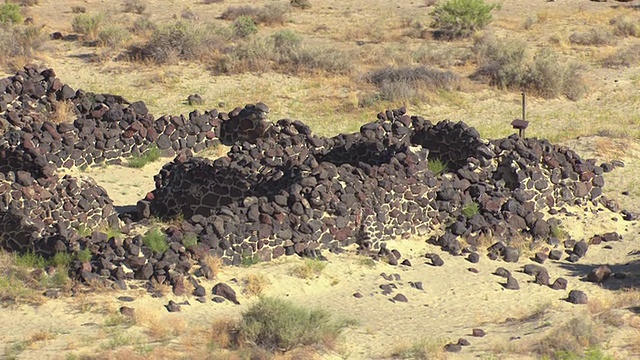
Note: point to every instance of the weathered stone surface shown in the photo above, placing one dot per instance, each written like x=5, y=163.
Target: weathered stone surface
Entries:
x=577, y=297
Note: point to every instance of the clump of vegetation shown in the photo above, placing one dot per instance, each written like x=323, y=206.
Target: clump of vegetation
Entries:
x=254, y=284
x=411, y=83
x=593, y=37
x=311, y=268
x=268, y=15
x=244, y=26
x=152, y=154
x=134, y=6
x=625, y=26
x=470, y=210
x=78, y=9
x=249, y=259
x=624, y=57
x=88, y=25
x=422, y=350
x=179, y=40
x=573, y=338
x=10, y=13
x=189, y=240
x=300, y=4
x=507, y=65
x=276, y=324
x=156, y=240
x=461, y=18
x=437, y=166
x=113, y=36
x=84, y=255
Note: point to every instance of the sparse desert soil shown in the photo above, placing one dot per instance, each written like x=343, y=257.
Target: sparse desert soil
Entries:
x=605, y=125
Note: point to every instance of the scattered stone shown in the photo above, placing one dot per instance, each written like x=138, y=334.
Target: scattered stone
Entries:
x=573, y=258
x=387, y=288
x=224, y=290
x=125, y=298
x=599, y=274
x=387, y=277
x=473, y=270
x=416, y=284
x=52, y=293
x=511, y=284
x=473, y=257
x=195, y=99
x=577, y=297
x=406, y=262
x=542, y=278
x=128, y=312
x=555, y=254
x=172, y=306
x=502, y=272
x=400, y=297
x=201, y=299
x=436, y=260
x=533, y=269
x=511, y=254
x=463, y=342
x=454, y=348
x=559, y=284
x=218, y=299
x=477, y=333
x=580, y=248
x=357, y=295
x=540, y=257
x=199, y=291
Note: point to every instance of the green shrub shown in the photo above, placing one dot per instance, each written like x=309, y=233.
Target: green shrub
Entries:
x=10, y=13
x=244, y=26
x=286, y=41
x=144, y=26
x=437, y=166
x=20, y=41
x=311, y=268
x=276, y=324
x=507, y=65
x=179, y=40
x=470, y=210
x=61, y=259
x=84, y=255
x=31, y=260
x=113, y=36
x=268, y=15
x=88, y=25
x=461, y=18
x=152, y=154
x=156, y=240
x=190, y=240
x=248, y=260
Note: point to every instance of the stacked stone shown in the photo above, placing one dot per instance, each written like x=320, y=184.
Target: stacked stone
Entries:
x=43, y=215
x=106, y=127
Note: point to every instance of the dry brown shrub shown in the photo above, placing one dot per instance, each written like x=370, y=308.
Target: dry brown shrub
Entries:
x=158, y=325
x=214, y=263
x=593, y=37
x=223, y=333
x=254, y=284
x=63, y=112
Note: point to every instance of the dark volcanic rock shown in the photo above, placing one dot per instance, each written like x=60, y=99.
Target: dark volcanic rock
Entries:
x=577, y=297
x=225, y=291
x=599, y=274
x=559, y=284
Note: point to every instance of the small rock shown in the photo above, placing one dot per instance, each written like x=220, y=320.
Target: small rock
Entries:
x=473, y=270
x=502, y=272
x=387, y=288
x=128, y=312
x=533, y=269
x=542, y=278
x=218, y=299
x=406, y=262
x=540, y=257
x=573, y=258
x=195, y=99
x=436, y=260
x=599, y=274
x=463, y=342
x=401, y=298
x=473, y=258
x=417, y=285
x=200, y=291
x=357, y=295
x=224, y=290
x=559, y=284
x=125, y=298
x=201, y=299
x=172, y=306
x=511, y=254
x=512, y=284
x=453, y=348
x=555, y=254
x=386, y=277
x=478, y=333
x=52, y=293
x=581, y=248
x=577, y=297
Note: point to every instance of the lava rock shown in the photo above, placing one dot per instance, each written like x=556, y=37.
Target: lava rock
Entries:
x=577, y=297
x=225, y=291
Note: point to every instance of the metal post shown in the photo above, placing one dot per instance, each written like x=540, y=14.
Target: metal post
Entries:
x=524, y=107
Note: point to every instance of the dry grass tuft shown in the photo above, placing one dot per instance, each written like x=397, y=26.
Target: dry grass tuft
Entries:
x=309, y=269
x=573, y=337
x=214, y=263
x=254, y=284
x=159, y=326
x=63, y=112
x=421, y=350
x=593, y=37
